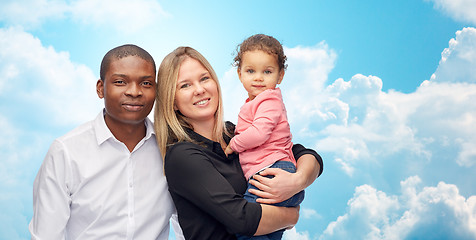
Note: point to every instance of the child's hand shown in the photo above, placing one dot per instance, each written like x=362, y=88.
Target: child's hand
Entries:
x=228, y=150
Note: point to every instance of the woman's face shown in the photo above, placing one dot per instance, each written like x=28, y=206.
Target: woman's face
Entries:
x=196, y=96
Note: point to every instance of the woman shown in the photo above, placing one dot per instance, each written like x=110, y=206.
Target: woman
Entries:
x=207, y=186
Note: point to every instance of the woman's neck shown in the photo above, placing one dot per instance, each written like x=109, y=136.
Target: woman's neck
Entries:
x=204, y=128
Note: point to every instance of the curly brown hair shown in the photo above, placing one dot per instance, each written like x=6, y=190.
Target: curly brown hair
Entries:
x=264, y=43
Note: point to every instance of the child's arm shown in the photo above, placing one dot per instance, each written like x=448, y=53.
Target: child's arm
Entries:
x=267, y=115
x=228, y=150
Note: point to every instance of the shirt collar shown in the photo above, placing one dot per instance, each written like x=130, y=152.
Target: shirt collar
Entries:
x=103, y=133
x=206, y=143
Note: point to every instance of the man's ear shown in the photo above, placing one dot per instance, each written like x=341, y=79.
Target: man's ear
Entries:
x=100, y=88
x=281, y=76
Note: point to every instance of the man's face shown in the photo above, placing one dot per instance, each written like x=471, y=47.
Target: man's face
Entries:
x=128, y=91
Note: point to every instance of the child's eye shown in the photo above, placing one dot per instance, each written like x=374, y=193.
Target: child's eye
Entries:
x=267, y=72
x=250, y=71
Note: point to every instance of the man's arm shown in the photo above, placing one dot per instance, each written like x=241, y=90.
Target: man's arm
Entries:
x=51, y=200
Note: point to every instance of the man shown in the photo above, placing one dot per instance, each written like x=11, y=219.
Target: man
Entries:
x=104, y=179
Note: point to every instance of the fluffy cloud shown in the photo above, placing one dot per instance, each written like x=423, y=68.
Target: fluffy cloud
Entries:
x=292, y=234
x=123, y=15
x=20, y=153
x=458, y=61
x=43, y=92
x=43, y=84
x=430, y=212
x=460, y=10
x=31, y=13
x=371, y=125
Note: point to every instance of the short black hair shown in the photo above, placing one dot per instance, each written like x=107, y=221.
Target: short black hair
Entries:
x=122, y=52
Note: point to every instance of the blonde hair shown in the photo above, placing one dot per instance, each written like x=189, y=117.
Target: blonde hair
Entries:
x=170, y=124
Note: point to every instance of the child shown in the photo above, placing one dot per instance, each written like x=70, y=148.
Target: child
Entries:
x=262, y=134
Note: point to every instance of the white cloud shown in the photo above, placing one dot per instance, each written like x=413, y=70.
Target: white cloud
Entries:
x=371, y=125
x=21, y=153
x=458, y=61
x=430, y=212
x=124, y=16
x=43, y=91
x=308, y=213
x=460, y=10
x=43, y=84
x=293, y=234
x=31, y=13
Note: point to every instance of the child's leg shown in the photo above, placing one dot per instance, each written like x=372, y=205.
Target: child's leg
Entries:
x=291, y=202
x=295, y=200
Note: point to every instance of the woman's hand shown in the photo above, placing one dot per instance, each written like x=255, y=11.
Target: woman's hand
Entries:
x=273, y=190
x=285, y=184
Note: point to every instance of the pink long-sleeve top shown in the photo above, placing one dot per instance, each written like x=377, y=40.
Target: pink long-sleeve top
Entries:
x=262, y=133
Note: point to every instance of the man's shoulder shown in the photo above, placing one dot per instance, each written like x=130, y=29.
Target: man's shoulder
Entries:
x=84, y=130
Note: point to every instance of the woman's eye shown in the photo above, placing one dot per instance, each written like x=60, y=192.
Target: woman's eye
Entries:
x=185, y=85
x=205, y=78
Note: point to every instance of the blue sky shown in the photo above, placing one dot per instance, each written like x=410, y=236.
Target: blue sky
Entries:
x=385, y=91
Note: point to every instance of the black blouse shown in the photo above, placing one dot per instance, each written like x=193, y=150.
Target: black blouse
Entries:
x=207, y=189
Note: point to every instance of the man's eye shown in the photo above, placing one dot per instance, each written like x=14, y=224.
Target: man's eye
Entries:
x=147, y=84
x=119, y=82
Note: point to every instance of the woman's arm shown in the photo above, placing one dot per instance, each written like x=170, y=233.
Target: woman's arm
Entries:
x=191, y=175
x=286, y=216
x=284, y=184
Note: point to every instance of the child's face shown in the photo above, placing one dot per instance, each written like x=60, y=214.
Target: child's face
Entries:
x=128, y=90
x=259, y=71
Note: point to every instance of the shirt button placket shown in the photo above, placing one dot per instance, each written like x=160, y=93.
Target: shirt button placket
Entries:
x=130, y=197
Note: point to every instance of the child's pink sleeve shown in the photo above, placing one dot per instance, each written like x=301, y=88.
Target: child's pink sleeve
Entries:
x=267, y=116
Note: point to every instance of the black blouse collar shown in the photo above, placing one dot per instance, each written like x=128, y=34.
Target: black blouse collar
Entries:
x=208, y=144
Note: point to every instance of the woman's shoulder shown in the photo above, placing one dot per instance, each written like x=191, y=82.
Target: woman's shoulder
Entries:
x=182, y=148
x=181, y=154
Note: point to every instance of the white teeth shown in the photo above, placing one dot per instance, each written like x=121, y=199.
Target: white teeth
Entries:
x=201, y=102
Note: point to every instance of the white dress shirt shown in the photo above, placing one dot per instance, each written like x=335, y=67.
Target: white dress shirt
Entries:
x=91, y=187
